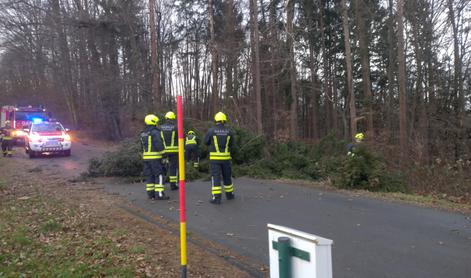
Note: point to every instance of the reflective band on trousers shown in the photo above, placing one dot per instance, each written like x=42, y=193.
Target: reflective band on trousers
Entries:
x=218, y=155
x=172, y=148
x=158, y=187
x=149, y=154
x=216, y=190
x=191, y=141
x=229, y=188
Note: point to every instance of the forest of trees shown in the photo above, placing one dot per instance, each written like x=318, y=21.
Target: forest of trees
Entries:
x=400, y=71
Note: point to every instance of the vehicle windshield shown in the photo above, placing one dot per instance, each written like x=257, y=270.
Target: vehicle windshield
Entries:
x=47, y=127
x=29, y=116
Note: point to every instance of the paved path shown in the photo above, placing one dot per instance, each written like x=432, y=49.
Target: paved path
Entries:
x=372, y=238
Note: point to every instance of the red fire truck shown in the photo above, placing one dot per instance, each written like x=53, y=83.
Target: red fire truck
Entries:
x=21, y=118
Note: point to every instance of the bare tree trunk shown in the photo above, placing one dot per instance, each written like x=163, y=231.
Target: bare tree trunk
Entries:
x=401, y=77
x=327, y=71
x=348, y=61
x=457, y=79
x=154, y=57
x=274, y=65
x=390, y=71
x=457, y=86
x=422, y=134
x=313, y=100
x=365, y=63
x=314, y=97
x=64, y=68
x=254, y=43
x=214, y=60
x=335, y=100
x=292, y=70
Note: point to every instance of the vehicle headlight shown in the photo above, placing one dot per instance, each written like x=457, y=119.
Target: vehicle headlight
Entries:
x=67, y=137
x=19, y=133
x=35, y=138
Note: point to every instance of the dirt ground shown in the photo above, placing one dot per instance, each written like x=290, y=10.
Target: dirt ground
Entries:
x=24, y=180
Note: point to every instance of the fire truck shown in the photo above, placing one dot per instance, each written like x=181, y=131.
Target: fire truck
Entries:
x=20, y=118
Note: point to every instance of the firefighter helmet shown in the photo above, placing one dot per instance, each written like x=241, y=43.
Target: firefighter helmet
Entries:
x=359, y=136
x=191, y=132
x=170, y=115
x=220, y=117
x=151, y=119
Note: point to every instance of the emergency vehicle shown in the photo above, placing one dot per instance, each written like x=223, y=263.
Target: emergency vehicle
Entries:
x=21, y=118
x=47, y=137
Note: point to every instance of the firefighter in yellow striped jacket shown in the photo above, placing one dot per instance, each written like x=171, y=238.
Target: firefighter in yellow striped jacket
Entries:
x=220, y=140
x=6, y=136
x=152, y=151
x=192, y=143
x=169, y=134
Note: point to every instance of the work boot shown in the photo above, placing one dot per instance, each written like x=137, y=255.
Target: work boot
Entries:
x=151, y=195
x=161, y=196
x=173, y=186
x=230, y=195
x=216, y=200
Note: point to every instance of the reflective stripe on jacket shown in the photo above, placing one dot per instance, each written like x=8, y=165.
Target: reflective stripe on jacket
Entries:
x=220, y=154
x=169, y=137
x=7, y=133
x=220, y=141
x=191, y=140
x=151, y=143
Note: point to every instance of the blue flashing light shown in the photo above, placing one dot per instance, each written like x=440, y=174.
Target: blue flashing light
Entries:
x=37, y=120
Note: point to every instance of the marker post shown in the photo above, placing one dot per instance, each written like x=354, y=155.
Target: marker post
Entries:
x=181, y=171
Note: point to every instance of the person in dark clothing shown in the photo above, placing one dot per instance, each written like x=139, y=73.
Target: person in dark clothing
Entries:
x=220, y=140
x=152, y=151
x=6, y=135
x=192, y=148
x=169, y=136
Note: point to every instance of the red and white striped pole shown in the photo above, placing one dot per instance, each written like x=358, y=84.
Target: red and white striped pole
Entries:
x=181, y=171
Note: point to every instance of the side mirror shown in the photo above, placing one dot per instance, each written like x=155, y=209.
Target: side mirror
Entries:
x=67, y=130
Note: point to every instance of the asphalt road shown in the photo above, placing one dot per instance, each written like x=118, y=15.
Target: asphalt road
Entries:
x=372, y=238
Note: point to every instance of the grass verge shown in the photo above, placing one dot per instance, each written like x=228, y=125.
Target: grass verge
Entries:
x=42, y=237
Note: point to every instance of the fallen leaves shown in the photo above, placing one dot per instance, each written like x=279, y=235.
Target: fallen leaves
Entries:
x=24, y=198
x=87, y=235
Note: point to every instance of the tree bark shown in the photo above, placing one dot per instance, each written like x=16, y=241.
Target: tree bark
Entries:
x=292, y=70
x=154, y=57
x=314, y=97
x=401, y=77
x=274, y=65
x=422, y=131
x=327, y=72
x=362, y=32
x=457, y=86
x=64, y=68
x=214, y=60
x=348, y=62
x=254, y=43
x=457, y=80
